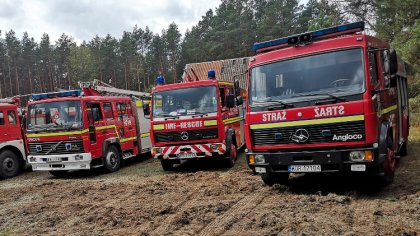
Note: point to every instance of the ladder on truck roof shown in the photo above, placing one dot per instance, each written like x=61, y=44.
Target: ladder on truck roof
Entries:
x=106, y=89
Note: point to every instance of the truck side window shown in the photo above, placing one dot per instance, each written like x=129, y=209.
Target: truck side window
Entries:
x=1, y=118
x=94, y=112
x=122, y=111
x=129, y=110
x=12, y=117
x=108, y=114
x=373, y=69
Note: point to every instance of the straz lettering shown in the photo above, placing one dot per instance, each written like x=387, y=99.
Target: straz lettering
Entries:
x=276, y=116
x=185, y=125
x=329, y=111
x=347, y=137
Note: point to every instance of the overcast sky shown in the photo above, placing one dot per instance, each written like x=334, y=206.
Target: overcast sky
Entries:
x=83, y=19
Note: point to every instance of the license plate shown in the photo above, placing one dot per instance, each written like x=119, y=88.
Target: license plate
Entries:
x=260, y=170
x=358, y=167
x=304, y=168
x=186, y=155
x=53, y=159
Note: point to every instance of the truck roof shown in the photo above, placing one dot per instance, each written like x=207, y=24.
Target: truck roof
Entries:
x=87, y=98
x=7, y=106
x=189, y=84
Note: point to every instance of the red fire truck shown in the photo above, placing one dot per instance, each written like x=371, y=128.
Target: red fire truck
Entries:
x=12, y=146
x=326, y=101
x=195, y=120
x=74, y=131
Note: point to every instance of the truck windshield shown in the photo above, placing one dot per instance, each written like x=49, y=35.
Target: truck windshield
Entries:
x=335, y=74
x=50, y=116
x=186, y=101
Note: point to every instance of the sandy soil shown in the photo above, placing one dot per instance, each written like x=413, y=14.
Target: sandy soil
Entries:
x=203, y=198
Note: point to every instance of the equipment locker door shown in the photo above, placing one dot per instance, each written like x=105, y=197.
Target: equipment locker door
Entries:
x=144, y=121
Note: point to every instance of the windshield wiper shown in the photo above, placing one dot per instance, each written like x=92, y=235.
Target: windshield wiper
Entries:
x=197, y=114
x=320, y=94
x=270, y=104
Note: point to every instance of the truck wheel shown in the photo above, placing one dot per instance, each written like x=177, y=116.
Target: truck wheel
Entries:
x=388, y=167
x=59, y=173
x=9, y=164
x=112, y=159
x=271, y=178
x=231, y=156
x=167, y=165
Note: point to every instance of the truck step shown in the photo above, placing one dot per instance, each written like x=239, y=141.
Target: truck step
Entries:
x=127, y=155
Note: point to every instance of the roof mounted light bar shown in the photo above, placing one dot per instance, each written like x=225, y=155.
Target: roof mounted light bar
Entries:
x=70, y=93
x=308, y=37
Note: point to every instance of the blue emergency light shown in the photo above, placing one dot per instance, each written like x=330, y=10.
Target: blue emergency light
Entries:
x=310, y=36
x=70, y=93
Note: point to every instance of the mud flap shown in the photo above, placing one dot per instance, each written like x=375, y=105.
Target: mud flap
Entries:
x=383, y=138
x=229, y=139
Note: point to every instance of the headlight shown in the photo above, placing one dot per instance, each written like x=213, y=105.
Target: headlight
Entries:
x=158, y=150
x=259, y=159
x=357, y=156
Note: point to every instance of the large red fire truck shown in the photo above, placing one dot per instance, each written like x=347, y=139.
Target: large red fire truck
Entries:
x=76, y=130
x=326, y=101
x=195, y=120
x=12, y=145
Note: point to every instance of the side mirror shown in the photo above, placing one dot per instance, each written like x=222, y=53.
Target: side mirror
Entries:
x=237, y=88
x=230, y=101
x=393, y=61
x=146, y=109
x=239, y=101
x=390, y=61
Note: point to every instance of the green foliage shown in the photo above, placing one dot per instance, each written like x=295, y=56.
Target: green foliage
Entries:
x=135, y=59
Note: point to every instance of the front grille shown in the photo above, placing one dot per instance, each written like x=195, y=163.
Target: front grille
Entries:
x=317, y=133
x=61, y=147
x=192, y=135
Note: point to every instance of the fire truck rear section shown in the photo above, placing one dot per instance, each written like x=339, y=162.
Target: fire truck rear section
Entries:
x=75, y=131
x=326, y=101
x=12, y=145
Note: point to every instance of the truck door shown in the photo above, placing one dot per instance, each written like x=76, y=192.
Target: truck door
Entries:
x=97, y=132
x=13, y=129
x=144, y=125
x=126, y=125
x=3, y=128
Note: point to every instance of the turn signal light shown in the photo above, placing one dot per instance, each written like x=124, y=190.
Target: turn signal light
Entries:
x=251, y=159
x=368, y=156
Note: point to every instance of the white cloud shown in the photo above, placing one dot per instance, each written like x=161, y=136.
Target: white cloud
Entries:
x=83, y=19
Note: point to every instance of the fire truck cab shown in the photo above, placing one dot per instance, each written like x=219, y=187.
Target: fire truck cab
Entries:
x=74, y=131
x=12, y=146
x=326, y=101
x=195, y=120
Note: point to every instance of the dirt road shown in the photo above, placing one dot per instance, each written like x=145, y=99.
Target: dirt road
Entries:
x=204, y=198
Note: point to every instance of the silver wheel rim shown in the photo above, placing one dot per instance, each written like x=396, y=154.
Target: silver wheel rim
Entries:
x=8, y=164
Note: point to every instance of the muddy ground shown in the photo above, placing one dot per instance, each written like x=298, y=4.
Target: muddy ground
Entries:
x=203, y=198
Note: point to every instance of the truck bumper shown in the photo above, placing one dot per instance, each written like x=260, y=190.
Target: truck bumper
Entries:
x=313, y=161
x=189, y=151
x=79, y=161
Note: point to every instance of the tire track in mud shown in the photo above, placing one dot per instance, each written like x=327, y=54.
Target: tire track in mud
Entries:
x=364, y=212
x=239, y=210
x=163, y=228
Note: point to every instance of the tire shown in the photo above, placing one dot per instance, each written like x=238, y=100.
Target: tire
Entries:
x=271, y=178
x=231, y=156
x=388, y=168
x=59, y=173
x=403, y=151
x=167, y=165
x=112, y=160
x=9, y=164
